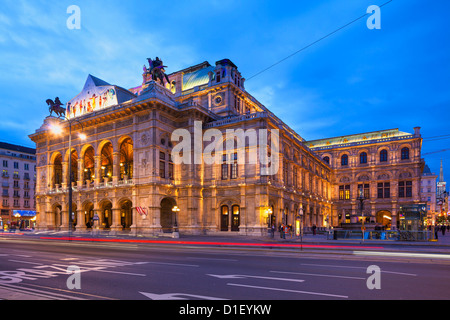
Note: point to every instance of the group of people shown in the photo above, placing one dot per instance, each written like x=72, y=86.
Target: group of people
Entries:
x=287, y=229
x=440, y=228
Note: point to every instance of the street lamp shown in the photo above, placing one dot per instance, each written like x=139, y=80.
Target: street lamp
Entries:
x=269, y=221
x=175, y=233
x=300, y=232
x=361, y=199
x=57, y=129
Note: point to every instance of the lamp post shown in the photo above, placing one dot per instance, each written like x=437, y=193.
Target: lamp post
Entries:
x=175, y=233
x=269, y=212
x=300, y=232
x=361, y=199
x=58, y=130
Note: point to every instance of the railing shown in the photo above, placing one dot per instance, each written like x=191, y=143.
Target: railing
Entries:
x=396, y=235
x=90, y=186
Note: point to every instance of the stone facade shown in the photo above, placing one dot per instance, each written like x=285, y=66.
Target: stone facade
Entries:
x=124, y=178
x=386, y=165
x=123, y=173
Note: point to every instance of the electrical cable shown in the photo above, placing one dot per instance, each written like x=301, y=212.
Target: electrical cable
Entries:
x=314, y=42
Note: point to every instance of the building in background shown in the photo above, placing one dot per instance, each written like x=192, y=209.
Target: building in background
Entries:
x=381, y=169
x=442, y=199
x=428, y=194
x=18, y=179
x=441, y=188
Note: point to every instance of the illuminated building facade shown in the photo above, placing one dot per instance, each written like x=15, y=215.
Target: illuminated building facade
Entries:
x=18, y=165
x=124, y=178
x=385, y=167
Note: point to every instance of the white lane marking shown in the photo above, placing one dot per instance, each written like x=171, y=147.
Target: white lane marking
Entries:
x=287, y=290
x=242, y=276
x=175, y=264
x=212, y=259
x=120, y=272
x=35, y=263
x=351, y=267
x=320, y=275
x=176, y=296
x=403, y=254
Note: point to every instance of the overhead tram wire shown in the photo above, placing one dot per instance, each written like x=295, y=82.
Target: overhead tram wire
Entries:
x=313, y=43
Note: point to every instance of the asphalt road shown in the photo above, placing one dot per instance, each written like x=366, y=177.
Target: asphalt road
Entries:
x=38, y=269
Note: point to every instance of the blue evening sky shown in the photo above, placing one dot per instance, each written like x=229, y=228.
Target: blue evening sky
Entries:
x=358, y=80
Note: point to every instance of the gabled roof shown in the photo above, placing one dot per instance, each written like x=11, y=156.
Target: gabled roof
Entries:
x=96, y=94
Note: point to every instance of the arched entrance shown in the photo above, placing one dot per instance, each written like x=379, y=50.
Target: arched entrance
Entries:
x=105, y=214
x=167, y=215
x=230, y=217
x=126, y=216
x=74, y=215
x=384, y=218
x=57, y=216
x=89, y=215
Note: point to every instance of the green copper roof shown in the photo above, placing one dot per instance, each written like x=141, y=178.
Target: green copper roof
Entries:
x=355, y=138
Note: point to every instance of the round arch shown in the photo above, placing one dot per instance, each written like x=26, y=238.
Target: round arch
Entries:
x=384, y=218
x=167, y=216
x=105, y=217
x=126, y=213
x=126, y=152
x=88, y=211
x=56, y=215
x=106, y=159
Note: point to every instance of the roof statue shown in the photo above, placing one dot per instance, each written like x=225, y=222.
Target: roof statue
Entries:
x=156, y=70
x=56, y=107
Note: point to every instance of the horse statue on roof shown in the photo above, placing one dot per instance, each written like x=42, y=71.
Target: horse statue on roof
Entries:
x=156, y=70
x=56, y=107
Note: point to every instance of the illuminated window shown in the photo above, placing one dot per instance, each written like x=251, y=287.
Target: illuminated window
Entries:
x=344, y=192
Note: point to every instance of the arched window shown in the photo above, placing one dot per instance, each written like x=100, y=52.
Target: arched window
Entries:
x=57, y=165
x=363, y=157
x=383, y=155
x=405, y=153
x=344, y=160
x=126, y=159
x=326, y=159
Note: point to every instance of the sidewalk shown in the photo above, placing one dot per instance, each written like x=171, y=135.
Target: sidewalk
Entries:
x=236, y=238
x=324, y=238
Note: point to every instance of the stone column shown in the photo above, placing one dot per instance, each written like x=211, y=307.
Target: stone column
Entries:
x=115, y=222
x=116, y=167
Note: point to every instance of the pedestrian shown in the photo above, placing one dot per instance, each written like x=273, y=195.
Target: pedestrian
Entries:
x=281, y=231
x=443, y=230
x=436, y=229
x=314, y=229
x=272, y=229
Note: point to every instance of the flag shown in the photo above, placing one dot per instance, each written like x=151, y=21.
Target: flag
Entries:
x=141, y=210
